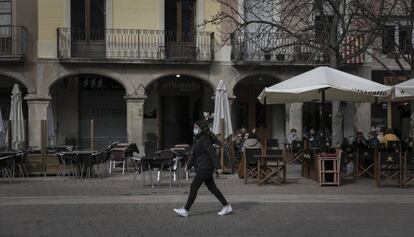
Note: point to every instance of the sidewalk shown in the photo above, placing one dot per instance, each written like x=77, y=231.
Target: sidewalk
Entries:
x=123, y=185
x=50, y=206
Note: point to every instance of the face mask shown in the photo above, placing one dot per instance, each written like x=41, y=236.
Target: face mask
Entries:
x=196, y=131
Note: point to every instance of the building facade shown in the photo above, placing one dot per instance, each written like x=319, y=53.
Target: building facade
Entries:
x=145, y=70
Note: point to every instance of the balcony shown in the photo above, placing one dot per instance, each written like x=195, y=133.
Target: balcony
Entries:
x=134, y=46
x=12, y=43
x=277, y=48
x=272, y=48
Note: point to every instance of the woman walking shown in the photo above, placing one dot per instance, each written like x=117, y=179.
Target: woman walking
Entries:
x=205, y=162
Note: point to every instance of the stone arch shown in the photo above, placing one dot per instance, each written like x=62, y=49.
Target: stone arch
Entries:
x=252, y=114
x=242, y=77
x=121, y=79
x=199, y=76
x=20, y=78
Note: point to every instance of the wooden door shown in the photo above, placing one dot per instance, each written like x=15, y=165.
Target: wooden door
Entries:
x=88, y=28
x=180, y=34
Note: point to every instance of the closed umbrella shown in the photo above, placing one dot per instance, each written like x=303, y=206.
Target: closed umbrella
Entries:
x=2, y=131
x=50, y=125
x=222, y=119
x=16, y=119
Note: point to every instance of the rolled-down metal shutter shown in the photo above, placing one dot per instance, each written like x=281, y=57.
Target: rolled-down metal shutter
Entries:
x=107, y=108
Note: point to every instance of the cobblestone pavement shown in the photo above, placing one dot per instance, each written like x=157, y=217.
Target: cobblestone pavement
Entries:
x=115, y=206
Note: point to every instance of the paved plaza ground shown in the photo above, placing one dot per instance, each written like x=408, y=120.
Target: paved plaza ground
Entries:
x=115, y=206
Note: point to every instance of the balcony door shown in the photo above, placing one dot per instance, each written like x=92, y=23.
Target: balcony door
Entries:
x=88, y=28
x=180, y=29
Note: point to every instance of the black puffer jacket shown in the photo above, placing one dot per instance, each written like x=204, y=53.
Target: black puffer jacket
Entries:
x=204, y=156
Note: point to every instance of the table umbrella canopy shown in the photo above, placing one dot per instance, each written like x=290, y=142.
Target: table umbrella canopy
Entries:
x=404, y=90
x=222, y=111
x=336, y=84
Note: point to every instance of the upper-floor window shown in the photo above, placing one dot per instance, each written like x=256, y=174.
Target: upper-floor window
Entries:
x=88, y=15
x=396, y=38
x=5, y=12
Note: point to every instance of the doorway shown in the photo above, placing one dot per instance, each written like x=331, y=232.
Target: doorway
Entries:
x=175, y=122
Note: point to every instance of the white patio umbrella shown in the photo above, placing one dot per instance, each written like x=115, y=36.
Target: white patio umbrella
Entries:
x=404, y=91
x=50, y=125
x=222, y=119
x=324, y=83
x=16, y=118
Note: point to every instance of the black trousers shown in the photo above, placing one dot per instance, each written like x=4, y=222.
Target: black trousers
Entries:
x=207, y=179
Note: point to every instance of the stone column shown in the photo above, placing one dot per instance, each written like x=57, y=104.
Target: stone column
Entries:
x=135, y=120
x=412, y=119
x=37, y=106
x=294, y=118
x=362, y=117
x=232, y=104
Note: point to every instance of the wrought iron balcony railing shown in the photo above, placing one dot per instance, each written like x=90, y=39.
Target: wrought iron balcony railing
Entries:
x=272, y=48
x=12, y=43
x=278, y=48
x=134, y=45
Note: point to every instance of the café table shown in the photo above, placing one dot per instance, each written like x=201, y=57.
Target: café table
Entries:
x=82, y=158
x=151, y=161
x=5, y=155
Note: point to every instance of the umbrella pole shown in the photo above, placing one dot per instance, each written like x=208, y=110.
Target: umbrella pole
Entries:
x=92, y=135
x=389, y=115
x=222, y=143
x=323, y=120
x=9, y=137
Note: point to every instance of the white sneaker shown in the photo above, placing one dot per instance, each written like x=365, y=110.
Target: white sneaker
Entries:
x=226, y=210
x=181, y=212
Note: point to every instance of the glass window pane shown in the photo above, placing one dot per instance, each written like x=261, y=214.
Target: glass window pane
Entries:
x=5, y=19
x=5, y=7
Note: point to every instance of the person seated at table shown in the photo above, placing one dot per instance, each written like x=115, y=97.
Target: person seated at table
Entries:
x=346, y=146
x=238, y=141
x=388, y=137
x=373, y=141
x=251, y=142
x=292, y=136
x=360, y=141
x=314, y=139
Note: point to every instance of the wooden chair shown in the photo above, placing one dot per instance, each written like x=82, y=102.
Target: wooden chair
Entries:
x=297, y=149
x=388, y=166
x=118, y=157
x=364, y=162
x=408, y=169
x=251, y=164
x=271, y=143
x=394, y=145
x=272, y=167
